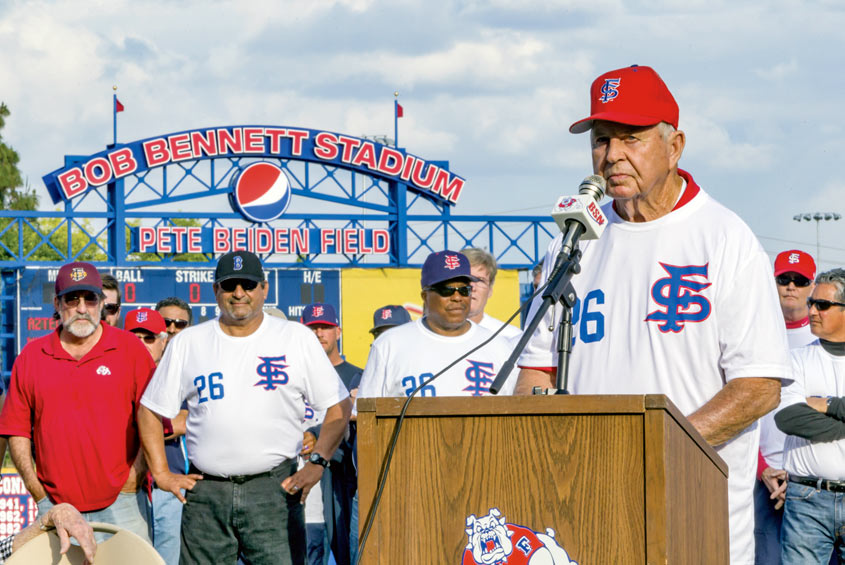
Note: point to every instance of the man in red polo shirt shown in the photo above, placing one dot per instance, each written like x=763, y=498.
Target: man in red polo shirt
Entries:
x=74, y=393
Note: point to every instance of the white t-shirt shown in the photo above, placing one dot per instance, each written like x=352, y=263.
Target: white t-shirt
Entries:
x=510, y=333
x=246, y=395
x=771, y=438
x=314, y=502
x=679, y=306
x=411, y=353
x=817, y=373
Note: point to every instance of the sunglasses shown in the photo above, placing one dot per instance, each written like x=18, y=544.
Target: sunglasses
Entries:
x=180, y=324
x=229, y=285
x=447, y=291
x=822, y=305
x=798, y=280
x=72, y=300
x=111, y=309
x=145, y=337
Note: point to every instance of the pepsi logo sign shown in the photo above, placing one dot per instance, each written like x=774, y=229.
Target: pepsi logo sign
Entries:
x=260, y=192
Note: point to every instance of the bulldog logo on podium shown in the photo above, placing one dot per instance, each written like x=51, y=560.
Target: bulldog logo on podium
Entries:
x=492, y=541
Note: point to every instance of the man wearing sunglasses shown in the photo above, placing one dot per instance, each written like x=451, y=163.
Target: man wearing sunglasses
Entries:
x=74, y=395
x=814, y=419
x=166, y=517
x=246, y=377
x=177, y=315
x=794, y=274
x=111, y=305
x=410, y=355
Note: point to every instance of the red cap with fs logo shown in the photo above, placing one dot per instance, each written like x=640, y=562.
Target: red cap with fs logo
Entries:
x=635, y=96
x=795, y=261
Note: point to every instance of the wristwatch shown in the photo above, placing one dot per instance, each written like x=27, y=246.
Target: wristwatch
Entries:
x=318, y=459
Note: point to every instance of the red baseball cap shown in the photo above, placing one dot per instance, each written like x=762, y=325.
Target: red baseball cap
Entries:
x=795, y=261
x=145, y=319
x=634, y=95
x=78, y=276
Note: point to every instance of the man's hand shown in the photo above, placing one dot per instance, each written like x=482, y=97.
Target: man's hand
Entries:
x=529, y=378
x=309, y=440
x=174, y=483
x=775, y=481
x=303, y=480
x=69, y=522
x=818, y=403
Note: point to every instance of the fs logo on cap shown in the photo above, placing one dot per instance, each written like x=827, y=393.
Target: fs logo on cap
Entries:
x=609, y=89
x=261, y=192
x=77, y=274
x=142, y=316
x=386, y=314
x=452, y=262
x=794, y=258
x=317, y=312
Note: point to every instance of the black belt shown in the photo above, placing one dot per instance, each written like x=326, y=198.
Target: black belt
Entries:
x=238, y=479
x=820, y=484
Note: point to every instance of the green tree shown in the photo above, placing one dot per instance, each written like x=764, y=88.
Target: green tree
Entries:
x=13, y=194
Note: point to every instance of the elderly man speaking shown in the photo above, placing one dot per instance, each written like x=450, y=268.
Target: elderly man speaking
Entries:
x=676, y=297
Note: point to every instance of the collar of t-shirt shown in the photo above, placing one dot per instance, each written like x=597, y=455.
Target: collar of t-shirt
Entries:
x=108, y=340
x=689, y=189
x=798, y=324
x=833, y=347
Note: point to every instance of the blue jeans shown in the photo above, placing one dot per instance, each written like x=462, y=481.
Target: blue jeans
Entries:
x=167, y=522
x=317, y=543
x=254, y=518
x=813, y=525
x=129, y=512
x=767, y=523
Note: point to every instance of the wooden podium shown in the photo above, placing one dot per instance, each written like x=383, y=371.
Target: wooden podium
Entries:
x=620, y=479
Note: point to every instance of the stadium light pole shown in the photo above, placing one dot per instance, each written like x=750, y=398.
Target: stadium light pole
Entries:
x=818, y=217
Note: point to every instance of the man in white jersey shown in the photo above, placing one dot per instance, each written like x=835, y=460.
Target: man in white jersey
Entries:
x=411, y=354
x=484, y=268
x=677, y=295
x=794, y=274
x=246, y=378
x=814, y=417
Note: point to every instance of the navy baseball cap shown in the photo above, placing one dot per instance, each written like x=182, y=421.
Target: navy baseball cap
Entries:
x=443, y=266
x=319, y=313
x=239, y=265
x=389, y=316
x=78, y=276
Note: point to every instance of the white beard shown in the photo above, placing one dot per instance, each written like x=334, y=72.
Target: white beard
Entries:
x=81, y=330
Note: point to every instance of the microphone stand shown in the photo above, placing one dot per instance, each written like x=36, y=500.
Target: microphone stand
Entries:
x=558, y=289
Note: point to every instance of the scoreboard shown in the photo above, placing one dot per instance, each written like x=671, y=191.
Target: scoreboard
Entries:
x=290, y=291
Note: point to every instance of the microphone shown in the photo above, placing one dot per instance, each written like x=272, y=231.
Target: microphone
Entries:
x=580, y=217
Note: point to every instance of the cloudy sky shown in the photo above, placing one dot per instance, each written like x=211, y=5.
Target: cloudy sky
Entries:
x=490, y=86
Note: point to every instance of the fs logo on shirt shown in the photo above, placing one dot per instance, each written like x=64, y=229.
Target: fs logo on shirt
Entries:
x=678, y=295
x=492, y=541
x=480, y=376
x=272, y=369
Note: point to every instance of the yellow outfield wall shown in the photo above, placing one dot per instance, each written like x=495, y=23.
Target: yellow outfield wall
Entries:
x=362, y=291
